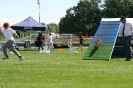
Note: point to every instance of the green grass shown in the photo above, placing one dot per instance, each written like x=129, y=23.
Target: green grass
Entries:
x=63, y=70
x=102, y=53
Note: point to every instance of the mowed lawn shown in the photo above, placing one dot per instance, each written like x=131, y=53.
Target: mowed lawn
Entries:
x=64, y=70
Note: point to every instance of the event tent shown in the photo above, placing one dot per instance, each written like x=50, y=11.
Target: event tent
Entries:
x=29, y=24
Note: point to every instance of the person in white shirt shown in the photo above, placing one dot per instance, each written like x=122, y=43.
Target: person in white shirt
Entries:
x=50, y=42
x=7, y=32
x=125, y=31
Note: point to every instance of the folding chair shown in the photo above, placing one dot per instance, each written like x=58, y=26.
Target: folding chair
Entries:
x=27, y=45
x=16, y=46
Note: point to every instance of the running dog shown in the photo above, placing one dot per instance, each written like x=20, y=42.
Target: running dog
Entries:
x=98, y=43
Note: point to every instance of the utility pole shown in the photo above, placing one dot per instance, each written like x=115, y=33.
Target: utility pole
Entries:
x=38, y=2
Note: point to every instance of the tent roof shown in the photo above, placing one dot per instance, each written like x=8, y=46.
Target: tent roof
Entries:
x=29, y=23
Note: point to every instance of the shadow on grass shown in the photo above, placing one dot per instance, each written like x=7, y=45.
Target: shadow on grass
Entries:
x=93, y=52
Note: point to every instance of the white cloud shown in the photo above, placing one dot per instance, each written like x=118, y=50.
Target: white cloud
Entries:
x=12, y=21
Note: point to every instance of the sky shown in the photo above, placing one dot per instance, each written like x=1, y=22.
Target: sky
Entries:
x=15, y=11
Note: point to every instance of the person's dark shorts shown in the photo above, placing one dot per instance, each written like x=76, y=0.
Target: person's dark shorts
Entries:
x=81, y=42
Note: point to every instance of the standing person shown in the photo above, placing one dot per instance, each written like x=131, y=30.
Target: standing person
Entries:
x=40, y=40
x=50, y=42
x=80, y=41
x=7, y=32
x=125, y=31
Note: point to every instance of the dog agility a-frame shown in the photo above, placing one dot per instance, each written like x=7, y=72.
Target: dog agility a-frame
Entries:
x=110, y=48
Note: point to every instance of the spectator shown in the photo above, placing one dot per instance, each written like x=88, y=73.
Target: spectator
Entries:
x=40, y=40
x=80, y=41
x=50, y=42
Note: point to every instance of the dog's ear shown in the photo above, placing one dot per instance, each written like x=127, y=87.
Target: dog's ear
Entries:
x=99, y=38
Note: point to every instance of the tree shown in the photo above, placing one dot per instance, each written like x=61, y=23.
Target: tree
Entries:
x=53, y=27
x=117, y=8
x=126, y=2
x=84, y=17
x=130, y=11
x=114, y=9
x=43, y=23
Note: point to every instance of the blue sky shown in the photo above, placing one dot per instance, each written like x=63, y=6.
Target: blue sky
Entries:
x=14, y=11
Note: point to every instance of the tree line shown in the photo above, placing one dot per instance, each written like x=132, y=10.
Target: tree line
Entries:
x=86, y=16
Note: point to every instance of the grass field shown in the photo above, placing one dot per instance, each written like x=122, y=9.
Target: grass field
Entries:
x=63, y=70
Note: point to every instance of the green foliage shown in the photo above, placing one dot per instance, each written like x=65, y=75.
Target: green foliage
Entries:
x=114, y=9
x=117, y=8
x=84, y=17
x=53, y=27
x=63, y=70
x=42, y=23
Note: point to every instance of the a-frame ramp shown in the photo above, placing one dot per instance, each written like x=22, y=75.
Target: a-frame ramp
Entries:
x=108, y=31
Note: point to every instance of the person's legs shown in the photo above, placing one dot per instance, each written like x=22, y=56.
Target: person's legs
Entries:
x=52, y=46
x=4, y=48
x=124, y=45
x=127, y=44
x=9, y=44
x=128, y=48
x=39, y=47
x=80, y=45
x=13, y=49
x=42, y=46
